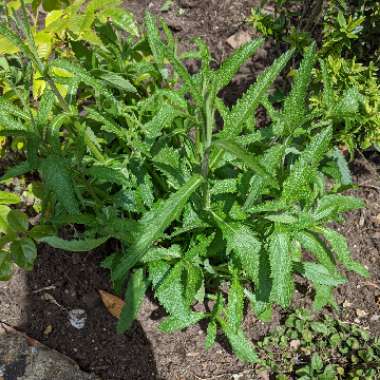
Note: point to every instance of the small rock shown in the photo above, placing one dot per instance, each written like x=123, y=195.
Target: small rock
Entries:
x=357, y=321
x=238, y=39
x=377, y=218
x=48, y=330
x=361, y=313
x=77, y=318
x=375, y=318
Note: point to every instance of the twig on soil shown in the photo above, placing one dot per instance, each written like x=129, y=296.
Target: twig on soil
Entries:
x=51, y=287
x=368, y=283
x=370, y=186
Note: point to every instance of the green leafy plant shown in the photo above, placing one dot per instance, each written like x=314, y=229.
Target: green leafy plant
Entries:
x=17, y=241
x=348, y=32
x=205, y=214
x=307, y=348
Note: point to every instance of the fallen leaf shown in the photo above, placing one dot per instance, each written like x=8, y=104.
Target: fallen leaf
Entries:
x=48, y=330
x=113, y=304
x=377, y=218
x=238, y=39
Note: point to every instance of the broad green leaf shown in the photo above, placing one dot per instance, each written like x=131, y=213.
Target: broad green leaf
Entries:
x=82, y=245
x=170, y=294
x=232, y=64
x=134, y=296
x=57, y=180
x=7, y=198
x=24, y=252
x=245, y=246
x=340, y=247
x=154, y=223
x=344, y=170
x=161, y=253
x=172, y=324
x=281, y=268
x=240, y=345
x=250, y=100
x=119, y=82
x=161, y=120
x=338, y=203
x=323, y=296
x=319, y=274
x=6, y=266
x=312, y=244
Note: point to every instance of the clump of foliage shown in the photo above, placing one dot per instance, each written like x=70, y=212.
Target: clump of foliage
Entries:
x=347, y=30
x=206, y=216
x=320, y=349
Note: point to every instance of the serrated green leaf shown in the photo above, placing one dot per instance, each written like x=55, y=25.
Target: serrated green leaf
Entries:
x=211, y=335
x=160, y=253
x=232, y=64
x=11, y=109
x=338, y=203
x=235, y=306
x=294, y=105
x=281, y=269
x=134, y=296
x=82, y=245
x=323, y=296
x=245, y=246
x=154, y=223
x=319, y=274
x=250, y=100
x=57, y=180
x=344, y=170
x=172, y=324
x=297, y=185
x=340, y=247
x=312, y=244
x=240, y=345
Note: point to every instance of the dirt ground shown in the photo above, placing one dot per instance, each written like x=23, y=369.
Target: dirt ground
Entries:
x=64, y=281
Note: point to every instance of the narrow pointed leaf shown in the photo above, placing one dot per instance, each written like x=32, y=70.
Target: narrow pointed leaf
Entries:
x=250, y=100
x=281, y=269
x=134, y=296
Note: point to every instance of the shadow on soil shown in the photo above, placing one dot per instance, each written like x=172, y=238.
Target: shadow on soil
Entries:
x=63, y=281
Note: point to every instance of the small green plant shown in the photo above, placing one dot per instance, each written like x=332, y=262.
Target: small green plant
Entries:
x=17, y=241
x=308, y=348
x=204, y=215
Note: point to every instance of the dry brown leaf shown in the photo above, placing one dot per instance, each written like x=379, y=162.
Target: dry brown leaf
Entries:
x=113, y=304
